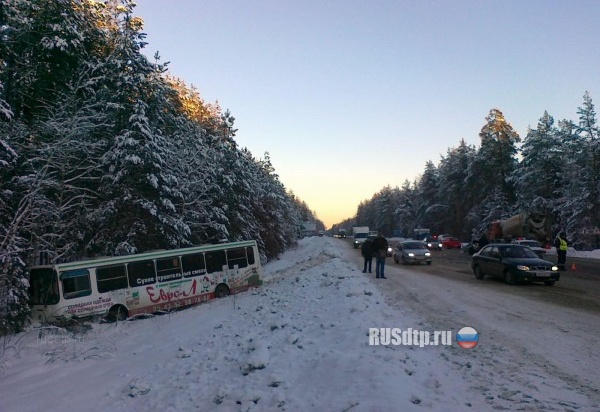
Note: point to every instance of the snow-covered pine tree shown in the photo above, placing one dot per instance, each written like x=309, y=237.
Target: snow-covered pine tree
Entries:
x=589, y=130
x=496, y=157
x=408, y=212
x=538, y=175
x=139, y=189
x=273, y=210
x=454, y=192
x=429, y=191
x=578, y=202
x=15, y=211
x=382, y=217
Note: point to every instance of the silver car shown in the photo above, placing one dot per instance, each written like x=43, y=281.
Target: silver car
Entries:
x=411, y=251
x=533, y=245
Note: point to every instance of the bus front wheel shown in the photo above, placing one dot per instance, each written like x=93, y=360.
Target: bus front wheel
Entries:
x=221, y=291
x=117, y=313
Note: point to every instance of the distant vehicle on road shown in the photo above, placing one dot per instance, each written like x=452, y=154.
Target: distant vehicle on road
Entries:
x=421, y=233
x=451, y=242
x=514, y=264
x=359, y=234
x=411, y=251
x=442, y=236
x=432, y=243
x=533, y=245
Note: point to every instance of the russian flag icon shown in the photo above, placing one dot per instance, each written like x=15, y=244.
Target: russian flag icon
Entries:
x=467, y=337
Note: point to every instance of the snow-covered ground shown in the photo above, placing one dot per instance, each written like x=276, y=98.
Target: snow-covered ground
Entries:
x=301, y=343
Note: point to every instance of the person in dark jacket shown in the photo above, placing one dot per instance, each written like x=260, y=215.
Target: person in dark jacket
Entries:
x=367, y=251
x=380, y=247
x=561, y=243
x=483, y=240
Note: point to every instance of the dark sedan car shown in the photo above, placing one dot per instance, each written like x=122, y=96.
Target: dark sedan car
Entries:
x=432, y=243
x=514, y=264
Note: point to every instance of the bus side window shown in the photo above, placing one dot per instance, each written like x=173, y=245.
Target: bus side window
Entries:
x=237, y=256
x=141, y=273
x=250, y=254
x=168, y=269
x=215, y=261
x=76, y=283
x=111, y=278
x=193, y=265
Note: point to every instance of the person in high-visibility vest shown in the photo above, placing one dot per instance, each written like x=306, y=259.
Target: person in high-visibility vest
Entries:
x=561, y=243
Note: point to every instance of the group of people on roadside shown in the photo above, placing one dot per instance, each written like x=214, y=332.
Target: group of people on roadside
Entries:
x=375, y=248
x=378, y=247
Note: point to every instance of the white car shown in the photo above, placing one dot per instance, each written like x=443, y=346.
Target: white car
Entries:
x=533, y=245
x=441, y=237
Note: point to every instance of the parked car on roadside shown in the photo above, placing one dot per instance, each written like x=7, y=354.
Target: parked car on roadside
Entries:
x=411, y=251
x=442, y=236
x=451, y=242
x=470, y=247
x=513, y=263
x=432, y=243
x=533, y=245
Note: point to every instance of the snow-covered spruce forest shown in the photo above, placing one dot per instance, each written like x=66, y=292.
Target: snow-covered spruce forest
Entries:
x=102, y=153
x=554, y=169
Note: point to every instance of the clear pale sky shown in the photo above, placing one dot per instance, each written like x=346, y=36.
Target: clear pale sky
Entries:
x=350, y=96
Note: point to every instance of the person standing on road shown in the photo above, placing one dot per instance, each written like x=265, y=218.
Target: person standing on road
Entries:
x=561, y=243
x=483, y=240
x=380, y=246
x=367, y=251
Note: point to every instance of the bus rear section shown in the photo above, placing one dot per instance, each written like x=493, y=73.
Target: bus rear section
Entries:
x=125, y=286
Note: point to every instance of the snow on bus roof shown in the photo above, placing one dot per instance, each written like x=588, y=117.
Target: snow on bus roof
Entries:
x=157, y=254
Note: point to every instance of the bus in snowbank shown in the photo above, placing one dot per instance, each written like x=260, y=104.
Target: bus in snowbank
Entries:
x=120, y=287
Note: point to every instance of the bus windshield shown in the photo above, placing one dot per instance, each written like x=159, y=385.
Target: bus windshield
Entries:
x=43, y=287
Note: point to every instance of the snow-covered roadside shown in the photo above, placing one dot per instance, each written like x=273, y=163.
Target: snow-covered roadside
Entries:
x=298, y=343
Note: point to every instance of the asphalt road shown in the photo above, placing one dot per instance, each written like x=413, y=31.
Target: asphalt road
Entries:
x=578, y=289
x=535, y=341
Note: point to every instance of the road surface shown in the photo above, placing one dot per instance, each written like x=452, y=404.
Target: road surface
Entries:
x=577, y=289
x=532, y=338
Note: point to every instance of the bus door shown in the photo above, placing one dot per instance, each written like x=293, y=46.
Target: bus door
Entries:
x=237, y=259
x=216, y=269
x=112, y=280
x=194, y=274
